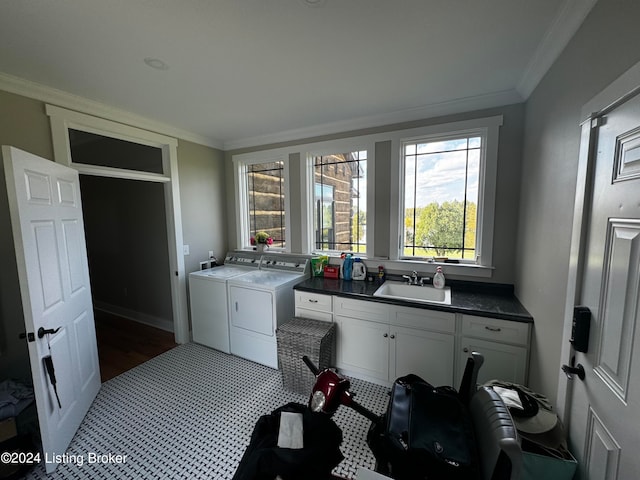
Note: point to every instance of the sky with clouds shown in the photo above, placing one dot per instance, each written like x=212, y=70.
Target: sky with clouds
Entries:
x=441, y=172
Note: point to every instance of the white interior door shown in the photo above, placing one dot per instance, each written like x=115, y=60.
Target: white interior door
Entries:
x=48, y=232
x=604, y=409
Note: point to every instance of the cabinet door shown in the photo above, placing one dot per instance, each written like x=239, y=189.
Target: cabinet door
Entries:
x=363, y=348
x=429, y=355
x=501, y=362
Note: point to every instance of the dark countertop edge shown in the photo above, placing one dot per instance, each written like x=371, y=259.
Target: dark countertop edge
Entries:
x=523, y=317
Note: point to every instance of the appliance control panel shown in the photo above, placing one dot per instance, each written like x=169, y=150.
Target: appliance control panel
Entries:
x=287, y=264
x=244, y=259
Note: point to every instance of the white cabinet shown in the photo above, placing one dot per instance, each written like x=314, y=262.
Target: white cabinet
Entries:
x=427, y=354
x=503, y=343
x=314, y=305
x=381, y=342
x=362, y=348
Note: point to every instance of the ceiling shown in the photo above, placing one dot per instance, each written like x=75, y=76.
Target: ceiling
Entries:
x=236, y=73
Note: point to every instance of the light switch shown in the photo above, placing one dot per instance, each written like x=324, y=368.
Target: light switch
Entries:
x=185, y=249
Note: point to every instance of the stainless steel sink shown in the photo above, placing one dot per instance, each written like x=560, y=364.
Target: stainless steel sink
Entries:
x=414, y=293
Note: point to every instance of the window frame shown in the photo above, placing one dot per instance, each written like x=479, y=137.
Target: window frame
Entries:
x=308, y=177
x=482, y=133
x=488, y=127
x=241, y=163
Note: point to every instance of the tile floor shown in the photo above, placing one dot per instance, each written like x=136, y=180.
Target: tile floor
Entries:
x=189, y=413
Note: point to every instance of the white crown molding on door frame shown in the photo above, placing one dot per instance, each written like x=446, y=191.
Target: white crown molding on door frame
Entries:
x=36, y=91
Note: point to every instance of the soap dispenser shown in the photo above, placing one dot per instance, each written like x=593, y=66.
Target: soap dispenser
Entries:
x=438, y=278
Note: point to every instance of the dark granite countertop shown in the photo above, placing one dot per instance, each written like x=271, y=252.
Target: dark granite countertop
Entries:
x=473, y=298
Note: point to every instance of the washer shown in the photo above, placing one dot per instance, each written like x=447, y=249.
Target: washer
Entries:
x=208, y=298
x=259, y=301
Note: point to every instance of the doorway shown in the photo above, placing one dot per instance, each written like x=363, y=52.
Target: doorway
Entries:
x=100, y=147
x=127, y=251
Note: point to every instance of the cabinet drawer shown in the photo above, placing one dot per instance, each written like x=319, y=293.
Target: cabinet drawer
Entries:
x=501, y=361
x=495, y=329
x=313, y=301
x=314, y=314
x=364, y=310
x=423, y=319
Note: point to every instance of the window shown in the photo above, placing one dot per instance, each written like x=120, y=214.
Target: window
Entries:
x=261, y=196
x=265, y=188
x=340, y=202
x=441, y=180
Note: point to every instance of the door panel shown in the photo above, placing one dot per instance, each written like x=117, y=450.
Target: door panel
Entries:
x=48, y=233
x=252, y=310
x=602, y=437
x=429, y=355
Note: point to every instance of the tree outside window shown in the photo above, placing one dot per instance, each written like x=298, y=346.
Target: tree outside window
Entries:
x=441, y=178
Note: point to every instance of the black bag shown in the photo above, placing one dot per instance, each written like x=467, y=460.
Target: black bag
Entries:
x=264, y=460
x=426, y=433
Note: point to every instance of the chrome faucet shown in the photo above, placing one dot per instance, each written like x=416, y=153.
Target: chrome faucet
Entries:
x=412, y=279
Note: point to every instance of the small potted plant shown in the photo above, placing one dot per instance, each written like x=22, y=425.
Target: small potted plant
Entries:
x=261, y=240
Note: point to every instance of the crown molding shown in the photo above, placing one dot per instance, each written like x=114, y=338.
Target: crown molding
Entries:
x=566, y=24
x=36, y=91
x=460, y=105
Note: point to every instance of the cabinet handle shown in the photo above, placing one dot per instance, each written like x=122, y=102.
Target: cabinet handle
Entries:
x=493, y=329
x=385, y=335
x=311, y=300
x=392, y=336
x=236, y=306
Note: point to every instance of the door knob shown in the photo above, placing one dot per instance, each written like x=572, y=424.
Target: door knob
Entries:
x=577, y=370
x=42, y=331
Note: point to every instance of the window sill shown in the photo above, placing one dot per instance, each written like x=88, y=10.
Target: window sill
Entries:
x=429, y=268
x=422, y=267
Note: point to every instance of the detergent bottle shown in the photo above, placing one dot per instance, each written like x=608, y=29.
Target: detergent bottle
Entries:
x=346, y=269
x=359, y=270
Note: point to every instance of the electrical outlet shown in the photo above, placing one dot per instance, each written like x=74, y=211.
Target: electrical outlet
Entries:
x=185, y=249
x=210, y=253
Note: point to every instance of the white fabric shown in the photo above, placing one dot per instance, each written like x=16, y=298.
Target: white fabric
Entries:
x=290, y=434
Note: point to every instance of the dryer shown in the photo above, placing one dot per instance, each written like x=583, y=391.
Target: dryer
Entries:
x=259, y=301
x=208, y=299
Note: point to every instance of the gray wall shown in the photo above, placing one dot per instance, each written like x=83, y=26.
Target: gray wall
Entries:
x=605, y=46
x=202, y=199
x=507, y=194
x=25, y=125
x=127, y=248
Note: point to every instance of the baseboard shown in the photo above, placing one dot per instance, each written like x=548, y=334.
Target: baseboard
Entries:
x=139, y=317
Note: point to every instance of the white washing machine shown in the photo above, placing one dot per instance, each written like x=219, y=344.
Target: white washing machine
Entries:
x=259, y=301
x=208, y=298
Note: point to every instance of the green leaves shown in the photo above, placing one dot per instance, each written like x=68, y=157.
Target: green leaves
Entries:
x=442, y=229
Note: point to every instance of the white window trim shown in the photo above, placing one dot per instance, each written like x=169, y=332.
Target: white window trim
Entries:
x=367, y=142
x=62, y=120
x=330, y=148
x=486, y=191
x=240, y=163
